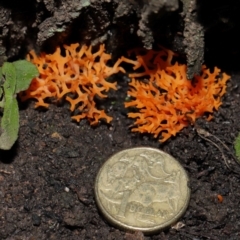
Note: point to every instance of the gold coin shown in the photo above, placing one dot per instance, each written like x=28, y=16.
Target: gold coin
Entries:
x=142, y=189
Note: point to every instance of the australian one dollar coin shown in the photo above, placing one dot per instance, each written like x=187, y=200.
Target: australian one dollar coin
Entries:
x=142, y=189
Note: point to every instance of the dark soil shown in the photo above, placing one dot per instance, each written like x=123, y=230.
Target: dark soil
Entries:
x=47, y=179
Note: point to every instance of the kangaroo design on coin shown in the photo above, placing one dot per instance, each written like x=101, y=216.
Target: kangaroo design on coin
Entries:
x=142, y=189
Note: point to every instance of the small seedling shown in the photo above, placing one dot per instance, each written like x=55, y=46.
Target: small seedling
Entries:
x=237, y=147
x=14, y=78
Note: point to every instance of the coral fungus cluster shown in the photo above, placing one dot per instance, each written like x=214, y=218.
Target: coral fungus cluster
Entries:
x=77, y=75
x=166, y=100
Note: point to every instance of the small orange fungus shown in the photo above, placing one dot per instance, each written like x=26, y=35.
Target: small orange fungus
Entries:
x=220, y=198
x=166, y=100
x=77, y=75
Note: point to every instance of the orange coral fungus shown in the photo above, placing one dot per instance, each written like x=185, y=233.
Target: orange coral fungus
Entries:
x=166, y=99
x=79, y=75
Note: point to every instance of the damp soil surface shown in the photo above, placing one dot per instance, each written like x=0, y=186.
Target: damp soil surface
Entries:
x=47, y=179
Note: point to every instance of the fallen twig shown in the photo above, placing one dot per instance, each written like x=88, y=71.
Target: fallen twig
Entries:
x=205, y=135
x=3, y=171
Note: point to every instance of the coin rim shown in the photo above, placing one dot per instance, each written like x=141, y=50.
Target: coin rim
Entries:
x=121, y=225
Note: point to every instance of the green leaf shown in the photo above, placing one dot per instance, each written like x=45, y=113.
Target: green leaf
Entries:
x=237, y=146
x=14, y=77
x=9, y=124
x=1, y=76
x=25, y=72
x=9, y=73
x=10, y=120
x=1, y=89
